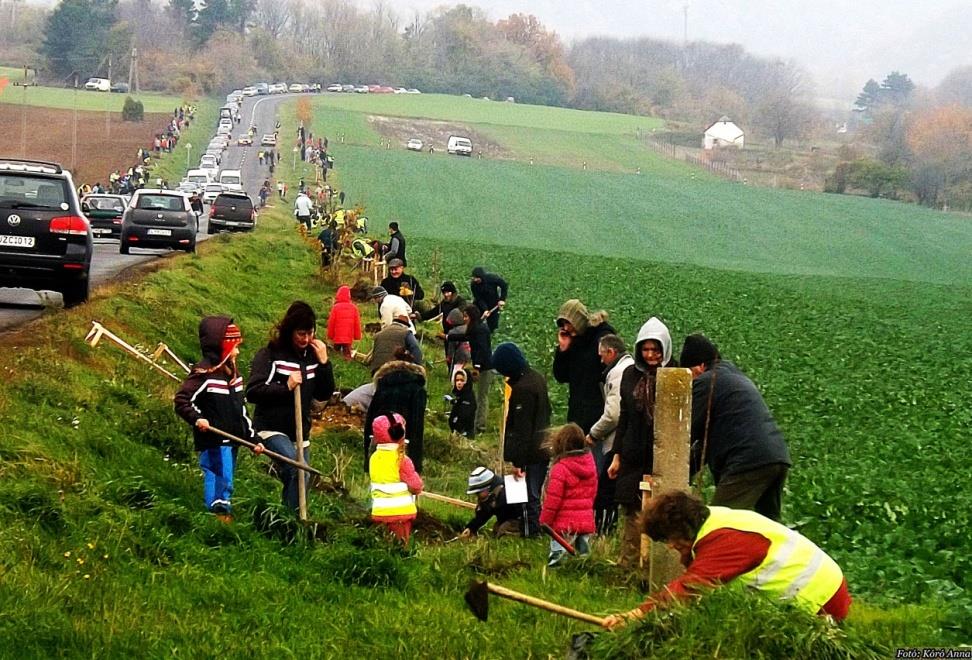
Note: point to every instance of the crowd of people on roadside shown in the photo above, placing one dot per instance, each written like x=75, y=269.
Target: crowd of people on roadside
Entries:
x=125, y=181
x=577, y=476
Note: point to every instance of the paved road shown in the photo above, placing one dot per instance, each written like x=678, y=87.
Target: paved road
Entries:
x=18, y=306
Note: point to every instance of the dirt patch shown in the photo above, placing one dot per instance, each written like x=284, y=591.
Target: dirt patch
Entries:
x=399, y=130
x=337, y=416
x=50, y=134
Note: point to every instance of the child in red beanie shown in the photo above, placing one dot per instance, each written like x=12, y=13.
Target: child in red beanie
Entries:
x=212, y=396
x=344, y=322
x=394, y=481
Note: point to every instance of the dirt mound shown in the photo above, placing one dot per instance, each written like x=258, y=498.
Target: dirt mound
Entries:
x=337, y=416
x=399, y=130
x=50, y=134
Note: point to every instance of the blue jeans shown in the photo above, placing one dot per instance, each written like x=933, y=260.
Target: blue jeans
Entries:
x=217, y=465
x=281, y=444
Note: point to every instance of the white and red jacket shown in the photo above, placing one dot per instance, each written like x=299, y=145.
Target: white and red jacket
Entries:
x=267, y=388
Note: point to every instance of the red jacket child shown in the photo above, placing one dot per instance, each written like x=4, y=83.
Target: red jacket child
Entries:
x=344, y=321
x=568, y=505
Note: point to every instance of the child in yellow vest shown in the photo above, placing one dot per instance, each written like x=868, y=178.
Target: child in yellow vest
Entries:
x=394, y=481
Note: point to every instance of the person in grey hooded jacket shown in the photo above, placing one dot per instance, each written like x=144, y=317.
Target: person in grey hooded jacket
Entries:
x=635, y=434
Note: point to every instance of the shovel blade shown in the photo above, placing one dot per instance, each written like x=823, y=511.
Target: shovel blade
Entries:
x=477, y=597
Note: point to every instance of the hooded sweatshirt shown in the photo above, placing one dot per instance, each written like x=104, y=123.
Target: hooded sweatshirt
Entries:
x=529, y=410
x=457, y=352
x=580, y=366
x=462, y=417
x=344, y=321
x=211, y=393
x=635, y=435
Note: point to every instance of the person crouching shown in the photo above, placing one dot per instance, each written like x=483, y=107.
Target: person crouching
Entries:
x=394, y=481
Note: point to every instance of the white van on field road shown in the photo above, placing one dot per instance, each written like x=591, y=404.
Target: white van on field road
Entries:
x=460, y=146
x=98, y=84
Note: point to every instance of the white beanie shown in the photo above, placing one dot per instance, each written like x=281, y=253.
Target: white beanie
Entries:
x=479, y=480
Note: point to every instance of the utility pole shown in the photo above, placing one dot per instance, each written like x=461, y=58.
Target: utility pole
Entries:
x=74, y=137
x=685, y=26
x=133, y=72
x=23, y=113
x=108, y=103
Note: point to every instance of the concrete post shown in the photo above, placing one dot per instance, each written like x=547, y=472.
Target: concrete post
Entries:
x=673, y=428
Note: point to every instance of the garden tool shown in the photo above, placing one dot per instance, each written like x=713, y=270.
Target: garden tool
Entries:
x=477, y=597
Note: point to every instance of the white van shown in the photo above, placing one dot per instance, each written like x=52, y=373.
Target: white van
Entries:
x=460, y=146
x=199, y=177
x=98, y=84
x=231, y=180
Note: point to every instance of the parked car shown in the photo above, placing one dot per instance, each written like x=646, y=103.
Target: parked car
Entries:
x=278, y=88
x=231, y=180
x=268, y=140
x=104, y=214
x=459, y=146
x=211, y=192
x=233, y=211
x=414, y=144
x=335, y=88
x=244, y=141
x=296, y=87
x=249, y=91
x=209, y=161
x=348, y=88
x=159, y=219
x=262, y=89
x=98, y=85
x=412, y=90
x=119, y=88
x=361, y=89
x=200, y=177
x=45, y=240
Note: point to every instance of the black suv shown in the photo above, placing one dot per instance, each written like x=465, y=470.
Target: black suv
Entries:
x=233, y=211
x=45, y=240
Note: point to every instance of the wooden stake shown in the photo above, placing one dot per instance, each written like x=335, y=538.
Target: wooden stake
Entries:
x=673, y=427
x=644, y=561
x=299, y=428
x=448, y=500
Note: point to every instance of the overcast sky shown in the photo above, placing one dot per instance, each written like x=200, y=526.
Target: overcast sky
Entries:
x=842, y=43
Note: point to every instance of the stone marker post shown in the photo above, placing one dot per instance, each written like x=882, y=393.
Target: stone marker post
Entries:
x=673, y=429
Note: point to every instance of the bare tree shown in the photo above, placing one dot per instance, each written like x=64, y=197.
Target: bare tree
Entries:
x=273, y=16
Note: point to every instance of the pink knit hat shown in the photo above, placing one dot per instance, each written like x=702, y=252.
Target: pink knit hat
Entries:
x=385, y=429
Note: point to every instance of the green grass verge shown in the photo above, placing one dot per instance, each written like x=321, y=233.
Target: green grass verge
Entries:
x=64, y=98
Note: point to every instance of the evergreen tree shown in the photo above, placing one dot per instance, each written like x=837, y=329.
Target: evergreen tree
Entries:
x=75, y=35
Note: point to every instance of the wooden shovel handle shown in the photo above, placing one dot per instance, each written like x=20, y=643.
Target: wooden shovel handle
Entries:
x=448, y=500
x=270, y=454
x=544, y=605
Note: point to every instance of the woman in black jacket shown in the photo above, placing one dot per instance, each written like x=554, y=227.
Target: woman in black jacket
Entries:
x=293, y=358
x=399, y=388
x=635, y=435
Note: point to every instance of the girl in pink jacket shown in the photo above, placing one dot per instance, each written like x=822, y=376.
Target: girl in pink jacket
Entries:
x=568, y=504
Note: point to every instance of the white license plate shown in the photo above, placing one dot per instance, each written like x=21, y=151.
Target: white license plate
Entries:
x=230, y=223
x=160, y=232
x=98, y=232
x=17, y=241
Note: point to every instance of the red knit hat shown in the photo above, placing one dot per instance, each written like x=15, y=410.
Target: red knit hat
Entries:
x=388, y=428
x=231, y=339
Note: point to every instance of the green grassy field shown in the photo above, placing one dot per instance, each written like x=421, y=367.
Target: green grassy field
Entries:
x=63, y=97
x=105, y=549
x=477, y=111
x=668, y=213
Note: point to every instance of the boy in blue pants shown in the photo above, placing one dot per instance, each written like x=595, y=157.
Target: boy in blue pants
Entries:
x=212, y=396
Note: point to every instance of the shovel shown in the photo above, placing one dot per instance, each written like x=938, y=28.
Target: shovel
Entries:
x=559, y=539
x=477, y=597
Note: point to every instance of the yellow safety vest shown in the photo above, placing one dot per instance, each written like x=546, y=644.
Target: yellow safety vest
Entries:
x=794, y=567
x=389, y=494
